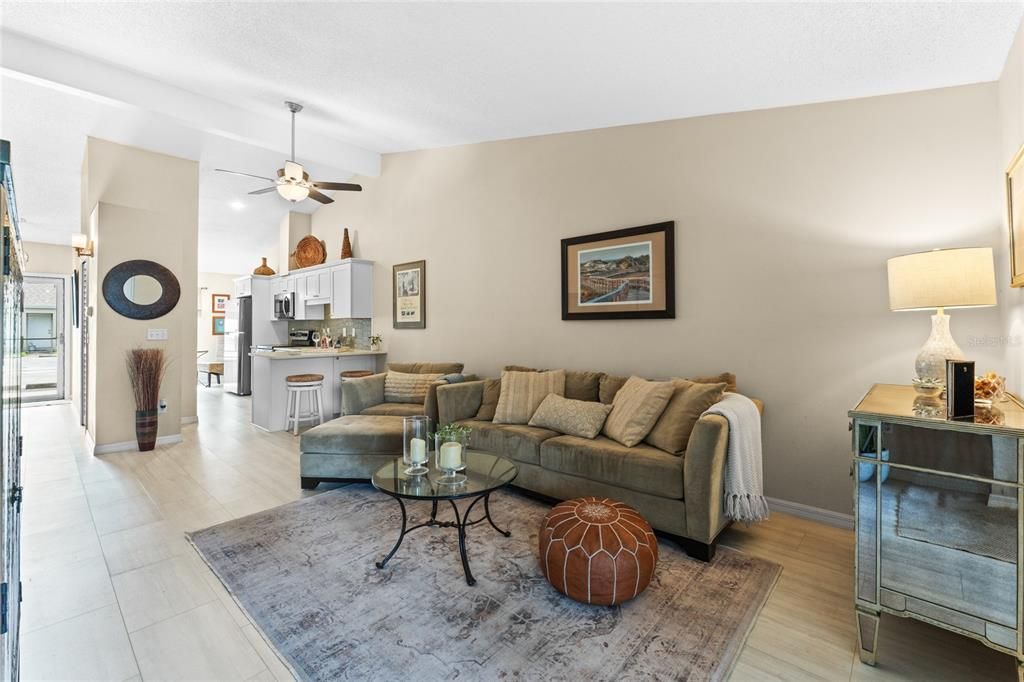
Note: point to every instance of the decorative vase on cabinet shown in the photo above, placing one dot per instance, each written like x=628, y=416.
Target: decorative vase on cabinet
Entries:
x=938, y=537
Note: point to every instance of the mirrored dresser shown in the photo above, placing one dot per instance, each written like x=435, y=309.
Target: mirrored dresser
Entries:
x=938, y=517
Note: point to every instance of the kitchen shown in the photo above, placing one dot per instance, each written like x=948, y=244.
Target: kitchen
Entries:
x=316, y=320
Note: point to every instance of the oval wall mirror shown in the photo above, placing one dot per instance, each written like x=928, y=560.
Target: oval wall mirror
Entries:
x=141, y=289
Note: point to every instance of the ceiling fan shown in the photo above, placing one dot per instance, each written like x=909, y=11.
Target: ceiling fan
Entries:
x=293, y=181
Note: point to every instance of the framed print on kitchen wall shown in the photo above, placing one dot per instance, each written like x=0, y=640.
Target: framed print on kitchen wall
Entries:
x=409, y=285
x=1015, y=217
x=218, y=326
x=620, y=275
x=219, y=303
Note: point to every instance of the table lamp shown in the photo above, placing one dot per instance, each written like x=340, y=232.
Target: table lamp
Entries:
x=936, y=280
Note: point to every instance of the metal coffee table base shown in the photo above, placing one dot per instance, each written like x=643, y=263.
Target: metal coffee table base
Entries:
x=461, y=523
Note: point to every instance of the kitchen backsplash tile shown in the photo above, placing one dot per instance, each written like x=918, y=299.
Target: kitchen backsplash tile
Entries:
x=362, y=327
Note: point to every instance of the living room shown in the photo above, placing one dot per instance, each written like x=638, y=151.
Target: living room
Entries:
x=654, y=267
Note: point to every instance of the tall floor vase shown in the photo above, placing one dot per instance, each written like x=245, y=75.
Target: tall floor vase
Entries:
x=145, y=429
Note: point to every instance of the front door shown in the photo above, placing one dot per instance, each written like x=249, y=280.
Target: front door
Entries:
x=43, y=345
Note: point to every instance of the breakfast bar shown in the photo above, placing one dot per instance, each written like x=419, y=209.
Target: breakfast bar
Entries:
x=270, y=369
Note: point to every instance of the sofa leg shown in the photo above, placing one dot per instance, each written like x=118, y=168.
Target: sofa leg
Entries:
x=699, y=550
x=309, y=483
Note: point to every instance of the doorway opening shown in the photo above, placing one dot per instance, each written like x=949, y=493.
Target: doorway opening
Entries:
x=42, y=346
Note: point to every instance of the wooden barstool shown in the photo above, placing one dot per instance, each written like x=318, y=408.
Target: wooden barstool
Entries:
x=310, y=384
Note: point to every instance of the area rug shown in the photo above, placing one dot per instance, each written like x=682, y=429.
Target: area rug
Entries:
x=305, y=575
x=957, y=519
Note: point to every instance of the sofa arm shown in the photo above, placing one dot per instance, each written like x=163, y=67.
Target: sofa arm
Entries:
x=359, y=394
x=459, y=401
x=430, y=404
x=704, y=477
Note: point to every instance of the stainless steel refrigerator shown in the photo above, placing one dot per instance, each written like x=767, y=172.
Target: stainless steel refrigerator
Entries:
x=237, y=343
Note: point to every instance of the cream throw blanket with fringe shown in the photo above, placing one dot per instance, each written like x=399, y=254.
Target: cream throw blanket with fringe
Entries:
x=744, y=476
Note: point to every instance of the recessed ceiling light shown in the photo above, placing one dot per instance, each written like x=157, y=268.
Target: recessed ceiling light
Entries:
x=238, y=205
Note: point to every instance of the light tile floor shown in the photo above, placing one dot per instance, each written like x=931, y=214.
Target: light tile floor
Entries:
x=113, y=591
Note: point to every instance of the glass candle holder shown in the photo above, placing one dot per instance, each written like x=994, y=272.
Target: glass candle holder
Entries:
x=450, y=459
x=415, y=444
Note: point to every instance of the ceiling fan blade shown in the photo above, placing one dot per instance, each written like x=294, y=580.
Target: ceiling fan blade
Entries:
x=265, y=190
x=318, y=196
x=248, y=175
x=346, y=186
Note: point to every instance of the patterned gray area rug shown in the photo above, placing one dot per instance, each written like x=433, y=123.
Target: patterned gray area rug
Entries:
x=304, y=572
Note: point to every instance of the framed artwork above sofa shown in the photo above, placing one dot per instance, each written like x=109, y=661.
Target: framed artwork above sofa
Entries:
x=621, y=274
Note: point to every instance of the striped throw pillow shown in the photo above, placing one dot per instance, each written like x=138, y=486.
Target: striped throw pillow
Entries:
x=400, y=387
x=523, y=392
x=636, y=409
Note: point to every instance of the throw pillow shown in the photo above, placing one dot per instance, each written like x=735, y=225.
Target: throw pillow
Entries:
x=492, y=389
x=672, y=431
x=400, y=387
x=636, y=408
x=578, y=385
x=523, y=392
x=453, y=378
x=581, y=418
x=608, y=387
x=727, y=377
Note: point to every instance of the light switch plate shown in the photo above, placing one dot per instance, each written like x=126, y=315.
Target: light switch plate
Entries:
x=156, y=335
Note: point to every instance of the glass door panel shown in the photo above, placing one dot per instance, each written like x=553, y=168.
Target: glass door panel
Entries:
x=42, y=346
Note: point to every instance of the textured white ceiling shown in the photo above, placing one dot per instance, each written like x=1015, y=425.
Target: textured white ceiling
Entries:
x=395, y=76
x=407, y=76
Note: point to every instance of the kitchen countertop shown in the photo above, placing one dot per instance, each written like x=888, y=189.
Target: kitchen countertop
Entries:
x=300, y=353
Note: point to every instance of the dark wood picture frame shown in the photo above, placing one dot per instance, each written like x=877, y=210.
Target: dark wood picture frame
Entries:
x=223, y=298
x=213, y=326
x=421, y=288
x=665, y=311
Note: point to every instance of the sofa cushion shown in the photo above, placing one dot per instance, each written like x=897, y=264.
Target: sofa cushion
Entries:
x=728, y=378
x=367, y=435
x=636, y=408
x=489, y=402
x=641, y=468
x=672, y=431
x=523, y=392
x=404, y=387
x=582, y=418
x=395, y=409
x=426, y=367
x=579, y=385
x=521, y=443
x=608, y=386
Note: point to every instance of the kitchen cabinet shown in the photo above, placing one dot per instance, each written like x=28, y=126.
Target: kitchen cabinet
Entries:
x=243, y=287
x=352, y=290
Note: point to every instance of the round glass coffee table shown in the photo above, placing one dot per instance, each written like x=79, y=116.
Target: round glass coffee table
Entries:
x=484, y=473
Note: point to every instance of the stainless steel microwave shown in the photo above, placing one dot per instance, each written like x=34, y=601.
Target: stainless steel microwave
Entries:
x=284, y=306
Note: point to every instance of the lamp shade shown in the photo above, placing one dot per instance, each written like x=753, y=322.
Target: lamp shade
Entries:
x=79, y=240
x=943, y=278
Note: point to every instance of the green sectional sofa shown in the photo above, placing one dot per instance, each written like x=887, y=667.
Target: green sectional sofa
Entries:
x=680, y=495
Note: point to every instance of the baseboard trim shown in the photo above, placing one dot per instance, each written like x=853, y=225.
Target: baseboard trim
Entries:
x=129, y=445
x=190, y=420
x=806, y=511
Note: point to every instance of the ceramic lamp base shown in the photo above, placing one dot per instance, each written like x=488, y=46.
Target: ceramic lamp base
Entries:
x=940, y=346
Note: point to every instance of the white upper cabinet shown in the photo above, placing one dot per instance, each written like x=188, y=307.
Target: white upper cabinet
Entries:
x=352, y=290
x=243, y=286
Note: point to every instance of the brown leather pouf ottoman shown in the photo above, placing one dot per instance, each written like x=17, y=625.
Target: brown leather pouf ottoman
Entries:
x=597, y=551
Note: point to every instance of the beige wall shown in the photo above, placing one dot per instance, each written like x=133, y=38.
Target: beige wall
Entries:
x=142, y=205
x=1011, y=131
x=294, y=227
x=49, y=259
x=784, y=221
x=211, y=283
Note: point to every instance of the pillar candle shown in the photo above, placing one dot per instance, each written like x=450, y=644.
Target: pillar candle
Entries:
x=417, y=450
x=450, y=456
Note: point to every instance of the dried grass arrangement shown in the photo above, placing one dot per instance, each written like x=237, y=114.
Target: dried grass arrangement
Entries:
x=146, y=370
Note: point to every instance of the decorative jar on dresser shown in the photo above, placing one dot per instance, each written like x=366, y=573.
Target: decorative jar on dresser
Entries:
x=938, y=518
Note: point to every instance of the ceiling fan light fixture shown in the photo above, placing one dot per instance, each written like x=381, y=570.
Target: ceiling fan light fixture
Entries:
x=292, y=192
x=293, y=170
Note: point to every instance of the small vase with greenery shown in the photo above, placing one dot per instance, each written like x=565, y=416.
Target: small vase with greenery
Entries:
x=375, y=341
x=451, y=441
x=146, y=370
